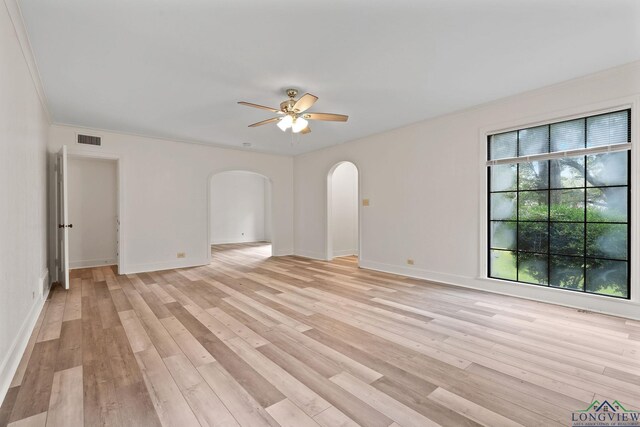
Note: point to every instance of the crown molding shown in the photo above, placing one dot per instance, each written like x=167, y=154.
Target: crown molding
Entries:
x=15, y=15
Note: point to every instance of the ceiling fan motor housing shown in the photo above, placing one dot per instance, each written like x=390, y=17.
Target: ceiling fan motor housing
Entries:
x=287, y=106
x=291, y=93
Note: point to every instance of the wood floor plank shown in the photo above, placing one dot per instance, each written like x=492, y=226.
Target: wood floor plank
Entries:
x=309, y=401
x=120, y=300
x=138, y=338
x=155, y=304
x=100, y=397
x=108, y=313
x=70, y=348
x=418, y=401
x=160, y=338
x=254, y=340
x=470, y=409
x=7, y=405
x=207, y=407
x=237, y=327
x=66, y=403
x=395, y=410
x=38, y=420
x=221, y=331
x=359, y=370
x=418, y=377
x=52, y=324
x=24, y=361
x=197, y=354
x=246, y=410
x=131, y=393
x=332, y=417
x=34, y=393
x=356, y=409
x=73, y=306
x=260, y=389
x=170, y=404
x=164, y=297
x=289, y=415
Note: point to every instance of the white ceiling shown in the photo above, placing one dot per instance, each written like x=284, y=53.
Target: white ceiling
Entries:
x=176, y=68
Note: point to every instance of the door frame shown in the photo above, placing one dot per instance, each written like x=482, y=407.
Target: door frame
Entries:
x=73, y=152
x=274, y=237
x=329, y=237
x=62, y=216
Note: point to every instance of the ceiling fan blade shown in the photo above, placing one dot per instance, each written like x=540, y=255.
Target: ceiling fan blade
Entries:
x=329, y=117
x=264, y=122
x=305, y=102
x=306, y=130
x=262, y=107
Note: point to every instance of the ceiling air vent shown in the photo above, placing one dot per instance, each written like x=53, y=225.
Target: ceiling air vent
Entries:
x=89, y=140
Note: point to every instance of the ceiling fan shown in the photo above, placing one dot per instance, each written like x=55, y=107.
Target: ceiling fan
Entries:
x=292, y=113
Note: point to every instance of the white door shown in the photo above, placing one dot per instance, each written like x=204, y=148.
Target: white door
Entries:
x=63, y=219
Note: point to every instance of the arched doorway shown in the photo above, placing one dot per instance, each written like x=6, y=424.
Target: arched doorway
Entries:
x=240, y=210
x=343, y=213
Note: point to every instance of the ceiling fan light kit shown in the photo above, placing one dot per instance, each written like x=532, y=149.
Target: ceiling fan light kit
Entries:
x=285, y=122
x=291, y=113
x=299, y=124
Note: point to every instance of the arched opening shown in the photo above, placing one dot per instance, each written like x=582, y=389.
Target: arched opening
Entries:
x=240, y=213
x=343, y=218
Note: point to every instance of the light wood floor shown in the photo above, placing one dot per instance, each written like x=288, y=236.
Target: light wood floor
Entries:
x=251, y=341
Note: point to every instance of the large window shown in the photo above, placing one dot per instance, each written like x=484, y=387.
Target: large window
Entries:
x=559, y=204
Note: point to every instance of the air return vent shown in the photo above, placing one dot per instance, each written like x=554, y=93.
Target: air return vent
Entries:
x=89, y=140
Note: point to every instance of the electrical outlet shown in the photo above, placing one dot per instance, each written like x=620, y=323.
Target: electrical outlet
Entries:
x=181, y=255
x=410, y=261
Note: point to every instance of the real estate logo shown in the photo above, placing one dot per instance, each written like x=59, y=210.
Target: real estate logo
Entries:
x=605, y=414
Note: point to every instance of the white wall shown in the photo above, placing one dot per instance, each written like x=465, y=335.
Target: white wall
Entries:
x=92, y=211
x=23, y=196
x=344, y=210
x=268, y=212
x=427, y=189
x=238, y=207
x=164, y=195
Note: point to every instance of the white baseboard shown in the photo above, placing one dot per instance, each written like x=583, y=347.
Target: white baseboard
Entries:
x=9, y=365
x=281, y=252
x=164, y=265
x=309, y=254
x=344, y=252
x=45, y=283
x=596, y=303
x=88, y=263
x=245, y=240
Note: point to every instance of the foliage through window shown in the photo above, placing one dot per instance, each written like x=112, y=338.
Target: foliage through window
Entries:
x=559, y=204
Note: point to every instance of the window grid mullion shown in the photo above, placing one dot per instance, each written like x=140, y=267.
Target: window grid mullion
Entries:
x=518, y=214
x=584, y=153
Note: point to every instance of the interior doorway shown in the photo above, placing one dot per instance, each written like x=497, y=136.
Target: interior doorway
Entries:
x=240, y=209
x=86, y=201
x=93, y=211
x=343, y=218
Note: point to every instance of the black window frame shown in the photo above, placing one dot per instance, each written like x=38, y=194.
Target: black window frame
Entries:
x=549, y=188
